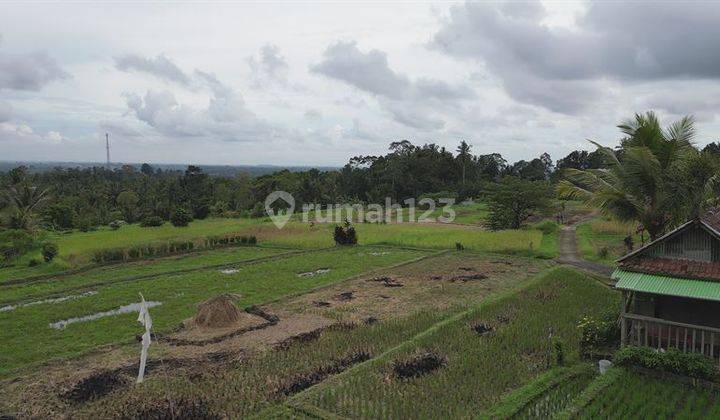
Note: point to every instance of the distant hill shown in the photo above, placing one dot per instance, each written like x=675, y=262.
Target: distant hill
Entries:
x=213, y=170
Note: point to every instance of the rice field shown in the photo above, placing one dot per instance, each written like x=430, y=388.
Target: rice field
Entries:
x=636, y=395
x=76, y=248
x=477, y=369
x=28, y=337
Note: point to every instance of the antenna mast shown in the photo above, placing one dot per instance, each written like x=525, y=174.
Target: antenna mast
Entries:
x=107, y=149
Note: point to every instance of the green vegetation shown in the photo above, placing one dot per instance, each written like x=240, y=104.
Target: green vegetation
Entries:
x=601, y=240
x=694, y=365
x=642, y=182
x=627, y=394
x=523, y=398
x=479, y=368
x=28, y=337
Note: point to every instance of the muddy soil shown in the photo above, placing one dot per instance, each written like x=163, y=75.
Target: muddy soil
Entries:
x=481, y=328
x=419, y=365
x=306, y=380
x=94, y=387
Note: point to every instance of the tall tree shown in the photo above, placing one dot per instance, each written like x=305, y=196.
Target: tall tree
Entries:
x=463, y=157
x=637, y=181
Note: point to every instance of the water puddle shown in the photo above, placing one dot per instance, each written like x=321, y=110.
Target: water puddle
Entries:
x=378, y=254
x=9, y=308
x=229, y=271
x=133, y=307
x=314, y=273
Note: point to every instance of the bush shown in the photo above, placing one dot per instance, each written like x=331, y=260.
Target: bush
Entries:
x=115, y=225
x=14, y=243
x=600, y=332
x=674, y=361
x=49, y=251
x=346, y=235
x=181, y=217
x=33, y=263
x=547, y=227
x=152, y=221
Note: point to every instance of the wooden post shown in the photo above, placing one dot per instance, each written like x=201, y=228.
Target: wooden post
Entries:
x=685, y=341
x=623, y=330
x=693, y=341
x=702, y=342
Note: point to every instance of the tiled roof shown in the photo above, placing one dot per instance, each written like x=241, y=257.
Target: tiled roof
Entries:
x=703, y=270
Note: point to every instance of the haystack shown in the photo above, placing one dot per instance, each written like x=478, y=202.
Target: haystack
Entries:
x=219, y=311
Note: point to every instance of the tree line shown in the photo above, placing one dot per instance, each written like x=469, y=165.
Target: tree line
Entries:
x=655, y=177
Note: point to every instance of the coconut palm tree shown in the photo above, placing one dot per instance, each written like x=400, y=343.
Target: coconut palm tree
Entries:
x=639, y=180
x=25, y=199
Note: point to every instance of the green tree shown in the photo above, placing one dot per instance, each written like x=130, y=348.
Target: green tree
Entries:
x=127, y=201
x=513, y=200
x=181, y=217
x=463, y=157
x=25, y=200
x=638, y=182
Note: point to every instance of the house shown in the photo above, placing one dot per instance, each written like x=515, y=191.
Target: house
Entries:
x=671, y=290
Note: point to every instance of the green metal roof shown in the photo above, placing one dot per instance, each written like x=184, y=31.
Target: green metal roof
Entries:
x=665, y=285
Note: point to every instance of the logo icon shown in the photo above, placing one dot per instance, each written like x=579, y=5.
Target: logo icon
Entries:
x=284, y=212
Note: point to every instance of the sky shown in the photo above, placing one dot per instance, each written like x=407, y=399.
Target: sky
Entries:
x=291, y=83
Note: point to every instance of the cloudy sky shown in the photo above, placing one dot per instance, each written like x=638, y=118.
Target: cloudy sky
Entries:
x=317, y=83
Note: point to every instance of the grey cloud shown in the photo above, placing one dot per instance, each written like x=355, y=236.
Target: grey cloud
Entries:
x=402, y=97
x=28, y=71
x=6, y=112
x=623, y=41
x=414, y=117
x=226, y=117
x=313, y=114
x=160, y=66
x=269, y=66
x=367, y=71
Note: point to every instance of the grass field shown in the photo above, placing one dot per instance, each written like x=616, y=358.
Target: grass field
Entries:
x=129, y=271
x=601, y=240
x=76, y=248
x=28, y=338
x=635, y=395
x=478, y=370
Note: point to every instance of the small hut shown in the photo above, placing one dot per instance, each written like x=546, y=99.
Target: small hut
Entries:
x=671, y=290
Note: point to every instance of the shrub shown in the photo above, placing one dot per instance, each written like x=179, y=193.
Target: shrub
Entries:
x=599, y=332
x=345, y=235
x=181, y=217
x=559, y=352
x=547, y=227
x=115, y=225
x=152, y=221
x=674, y=361
x=14, y=243
x=49, y=251
x=33, y=263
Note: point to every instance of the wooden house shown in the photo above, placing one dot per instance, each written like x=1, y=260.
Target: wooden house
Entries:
x=671, y=290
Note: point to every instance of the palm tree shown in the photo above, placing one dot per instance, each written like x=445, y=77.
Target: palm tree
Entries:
x=463, y=156
x=638, y=182
x=25, y=199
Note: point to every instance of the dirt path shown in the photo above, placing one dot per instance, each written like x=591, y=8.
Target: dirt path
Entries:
x=569, y=253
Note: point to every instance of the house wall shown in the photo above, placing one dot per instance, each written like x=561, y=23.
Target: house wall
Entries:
x=694, y=243
x=687, y=311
